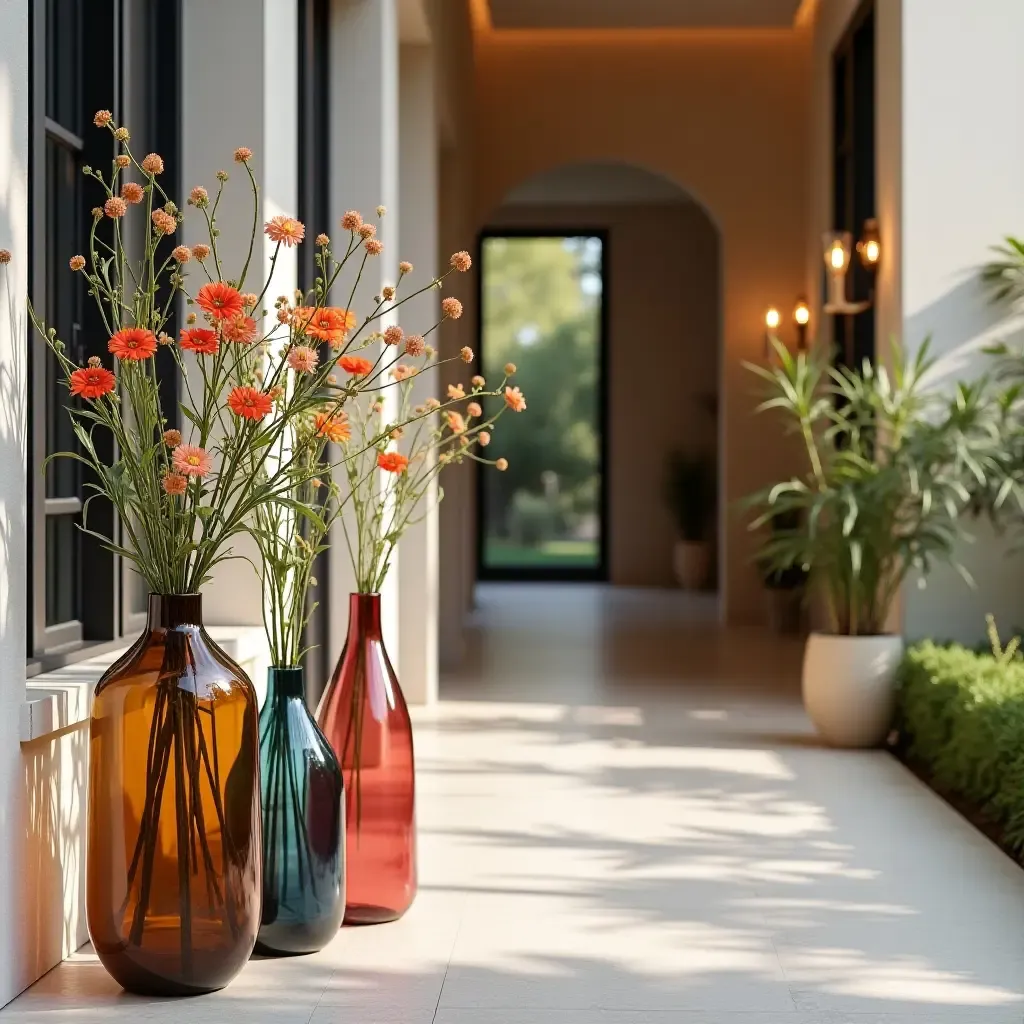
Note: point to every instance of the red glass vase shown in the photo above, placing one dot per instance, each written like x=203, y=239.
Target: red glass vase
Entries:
x=366, y=720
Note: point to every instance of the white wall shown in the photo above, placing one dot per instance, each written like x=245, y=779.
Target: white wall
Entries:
x=962, y=190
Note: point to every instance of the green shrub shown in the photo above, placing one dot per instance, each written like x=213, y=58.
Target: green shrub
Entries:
x=962, y=719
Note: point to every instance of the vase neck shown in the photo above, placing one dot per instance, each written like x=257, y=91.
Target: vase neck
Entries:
x=285, y=682
x=169, y=611
x=364, y=616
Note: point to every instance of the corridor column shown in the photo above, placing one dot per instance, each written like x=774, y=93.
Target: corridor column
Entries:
x=261, y=93
x=419, y=578
x=364, y=175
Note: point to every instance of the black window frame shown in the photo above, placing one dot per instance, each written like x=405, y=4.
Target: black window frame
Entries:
x=103, y=620
x=854, y=174
x=601, y=572
x=314, y=210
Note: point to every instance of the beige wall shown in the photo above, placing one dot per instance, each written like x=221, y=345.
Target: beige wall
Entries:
x=724, y=115
x=663, y=310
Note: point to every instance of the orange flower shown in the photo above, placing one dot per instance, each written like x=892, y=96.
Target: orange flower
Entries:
x=191, y=460
x=402, y=372
x=501, y=465
x=456, y=423
x=175, y=483
x=285, y=230
x=415, y=345
x=249, y=403
x=356, y=365
x=172, y=438
x=132, y=343
x=335, y=428
x=115, y=207
x=474, y=409
x=218, y=299
x=393, y=335
x=451, y=307
x=164, y=222
x=329, y=323
x=484, y=438
x=92, y=382
x=392, y=462
x=373, y=246
x=514, y=399
x=461, y=261
x=199, y=339
x=352, y=220
x=240, y=329
x=153, y=163
x=77, y=263
x=102, y=117
x=243, y=154
x=131, y=192
x=200, y=251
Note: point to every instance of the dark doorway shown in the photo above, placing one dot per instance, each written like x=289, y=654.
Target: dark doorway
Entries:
x=543, y=306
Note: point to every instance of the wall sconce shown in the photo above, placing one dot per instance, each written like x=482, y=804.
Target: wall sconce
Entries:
x=801, y=317
x=837, y=245
x=771, y=325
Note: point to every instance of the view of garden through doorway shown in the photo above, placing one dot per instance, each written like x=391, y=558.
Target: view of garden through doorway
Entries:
x=543, y=308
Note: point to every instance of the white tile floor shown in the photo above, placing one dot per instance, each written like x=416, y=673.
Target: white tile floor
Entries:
x=626, y=820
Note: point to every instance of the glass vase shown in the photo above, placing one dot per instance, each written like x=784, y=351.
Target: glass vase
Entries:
x=303, y=823
x=365, y=718
x=173, y=868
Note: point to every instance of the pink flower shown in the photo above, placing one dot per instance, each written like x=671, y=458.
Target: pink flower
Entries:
x=199, y=196
x=373, y=246
x=285, y=230
x=478, y=381
x=456, y=423
x=405, y=267
x=401, y=372
x=455, y=391
x=514, y=399
x=466, y=354
x=393, y=335
x=484, y=438
x=322, y=239
x=352, y=220
x=303, y=359
x=366, y=231
x=473, y=409
x=243, y=155
x=414, y=345
x=451, y=307
x=461, y=261
x=501, y=465
x=191, y=460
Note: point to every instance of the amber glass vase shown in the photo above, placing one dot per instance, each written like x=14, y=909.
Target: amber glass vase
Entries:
x=365, y=718
x=303, y=823
x=173, y=870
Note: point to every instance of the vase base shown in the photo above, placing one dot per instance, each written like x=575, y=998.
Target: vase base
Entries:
x=139, y=981
x=362, y=913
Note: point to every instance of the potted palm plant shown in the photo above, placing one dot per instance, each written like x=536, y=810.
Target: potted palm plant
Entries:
x=891, y=464
x=690, y=496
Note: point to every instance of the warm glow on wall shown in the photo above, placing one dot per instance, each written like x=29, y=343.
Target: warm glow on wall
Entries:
x=772, y=319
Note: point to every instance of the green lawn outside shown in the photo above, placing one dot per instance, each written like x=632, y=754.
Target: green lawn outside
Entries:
x=574, y=554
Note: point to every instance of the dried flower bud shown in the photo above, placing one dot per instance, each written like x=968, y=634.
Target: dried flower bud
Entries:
x=222, y=175
x=115, y=207
x=181, y=253
x=478, y=381
x=451, y=307
x=387, y=292
x=199, y=197
x=414, y=345
x=433, y=403
x=172, y=438
x=464, y=442
x=94, y=362
x=163, y=222
x=366, y=231
x=153, y=163
x=473, y=409
x=397, y=434
x=132, y=192
x=456, y=392
x=122, y=134
x=243, y=155
x=102, y=118
x=466, y=354
x=461, y=261
x=501, y=465
x=405, y=267
x=393, y=335
x=429, y=351
x=163, y=338
x=483, y=438
x=77, y=262
x=283, y=316
x=122, y=161
x=352, y=220
x=322, y=239
x=191, y=318
x=97, y=212
x=381, y=210
x=200, y=251
x=510, y=368
x=316, y=483
x=374, y=246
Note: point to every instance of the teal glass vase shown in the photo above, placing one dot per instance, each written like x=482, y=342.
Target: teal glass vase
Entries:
x=303, y=802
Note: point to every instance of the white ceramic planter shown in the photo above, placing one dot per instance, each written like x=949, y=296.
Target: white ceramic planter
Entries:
x=849, y=687
x=691, y=561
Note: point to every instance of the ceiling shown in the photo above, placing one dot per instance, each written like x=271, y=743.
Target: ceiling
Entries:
x=649, y=14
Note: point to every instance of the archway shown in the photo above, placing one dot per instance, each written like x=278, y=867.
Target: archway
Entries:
x=662, y=330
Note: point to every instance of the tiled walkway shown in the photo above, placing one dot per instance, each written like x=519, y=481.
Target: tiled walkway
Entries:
x=625, y=820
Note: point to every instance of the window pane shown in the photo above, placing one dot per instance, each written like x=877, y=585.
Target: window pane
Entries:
x=63, y=63
x=62, y=569
x=63, y=290
x=542, y=311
